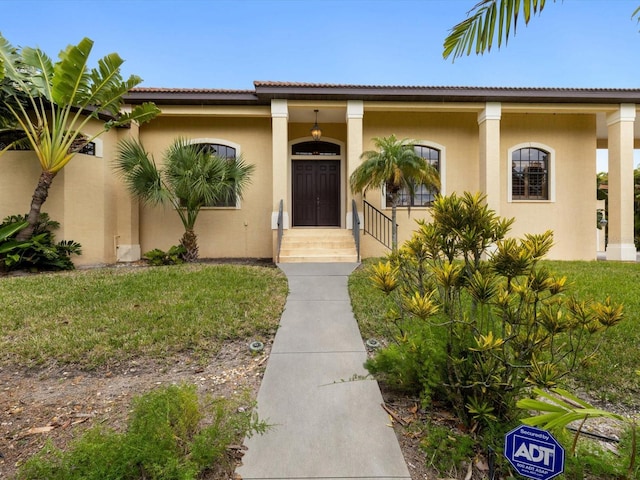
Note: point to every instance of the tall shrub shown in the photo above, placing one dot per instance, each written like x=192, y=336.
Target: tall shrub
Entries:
x=506, y=323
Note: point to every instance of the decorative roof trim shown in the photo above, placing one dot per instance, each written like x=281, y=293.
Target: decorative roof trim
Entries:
x=265, y=91
x=191, y=96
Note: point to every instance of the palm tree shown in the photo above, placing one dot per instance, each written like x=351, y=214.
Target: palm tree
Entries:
x=479, y=28
x=396, y=166
x=52, y=103
x=192, y=178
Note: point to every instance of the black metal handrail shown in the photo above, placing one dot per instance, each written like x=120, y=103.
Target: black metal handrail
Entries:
x=377, y=224
x=355, y=225
x=280, y=229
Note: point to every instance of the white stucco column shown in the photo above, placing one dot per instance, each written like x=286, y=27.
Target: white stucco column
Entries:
x=620, y=244
x=355, y=114
x=280, y=139
x=489, y=146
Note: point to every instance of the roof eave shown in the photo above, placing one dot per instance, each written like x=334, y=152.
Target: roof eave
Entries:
x=266, y=91
x=191, y=98
x=447, y=94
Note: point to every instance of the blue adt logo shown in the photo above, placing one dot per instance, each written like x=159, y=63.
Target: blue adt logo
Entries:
x=534, y=453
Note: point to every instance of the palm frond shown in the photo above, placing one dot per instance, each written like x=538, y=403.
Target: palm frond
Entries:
x=479, y=28
x=106, y=87
x=42, y=71
x=9, y=60
x=71, y=76
x=142, y=113
x=394, y=164
x=140, y=173
x=238, y=175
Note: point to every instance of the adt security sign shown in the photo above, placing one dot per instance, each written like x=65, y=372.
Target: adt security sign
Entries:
x=534, y=453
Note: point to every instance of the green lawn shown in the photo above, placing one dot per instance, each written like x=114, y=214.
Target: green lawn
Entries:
x=611, y=376
x=91, y=317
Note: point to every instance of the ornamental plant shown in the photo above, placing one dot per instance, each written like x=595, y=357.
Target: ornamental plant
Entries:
x=504, y=322
x=38, y=253
x=52, y=105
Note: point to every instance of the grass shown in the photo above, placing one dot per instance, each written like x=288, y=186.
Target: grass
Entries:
x=91, y=317
x=171, y=433
x=611, y=376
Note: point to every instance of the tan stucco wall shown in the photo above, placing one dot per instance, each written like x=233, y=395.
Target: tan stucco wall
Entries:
x=572, y=215
x=244, y=232
x=572, y=137
x=94, y=208
x=80, y=197
x=456, y=132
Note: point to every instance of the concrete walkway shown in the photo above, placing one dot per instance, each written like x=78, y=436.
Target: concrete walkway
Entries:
x=325, y=426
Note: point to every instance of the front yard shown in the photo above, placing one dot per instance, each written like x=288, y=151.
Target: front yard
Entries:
x=77, y=347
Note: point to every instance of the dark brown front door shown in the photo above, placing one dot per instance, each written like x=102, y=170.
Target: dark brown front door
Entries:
x=316, y=193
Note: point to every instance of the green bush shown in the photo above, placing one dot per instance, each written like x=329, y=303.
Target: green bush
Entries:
x=411, y=364
x=173, y=256
x=446, y=448
x=506, y=322
x=40, y=252
x=171, y=435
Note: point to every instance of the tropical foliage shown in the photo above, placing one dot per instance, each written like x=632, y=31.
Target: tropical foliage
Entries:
x=559, y=408
x=40, y=251
x=8, y=245
x=479, y=319
x=192, y=178
x=173, y=256
x=477, y=33
x=171, y=433
x=395, y=166
x=53, y=103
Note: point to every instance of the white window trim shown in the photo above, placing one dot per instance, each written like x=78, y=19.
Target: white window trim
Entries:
x=228, y=143
x=99, y=147
x=443, y=171
x=551, y=168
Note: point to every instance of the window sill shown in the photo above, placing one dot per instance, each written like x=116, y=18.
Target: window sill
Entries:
x=220, y=208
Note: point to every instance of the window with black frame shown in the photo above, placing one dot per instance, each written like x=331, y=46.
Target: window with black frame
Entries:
x=530, y=174
x=423, y=196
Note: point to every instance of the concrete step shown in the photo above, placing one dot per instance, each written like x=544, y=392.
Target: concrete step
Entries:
x=319, y=258
x=321, y=243
x=318, y=245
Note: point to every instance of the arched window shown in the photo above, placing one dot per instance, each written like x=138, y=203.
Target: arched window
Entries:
x=423, y=195
x=530, y=173
x=325, y=149
x=230, y=153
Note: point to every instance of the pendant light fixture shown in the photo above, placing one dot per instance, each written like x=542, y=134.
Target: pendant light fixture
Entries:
x=316, y=132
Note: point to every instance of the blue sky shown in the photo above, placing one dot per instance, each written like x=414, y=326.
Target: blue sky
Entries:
x=229, y=44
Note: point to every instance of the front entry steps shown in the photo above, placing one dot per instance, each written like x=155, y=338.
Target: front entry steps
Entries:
x=316, y=245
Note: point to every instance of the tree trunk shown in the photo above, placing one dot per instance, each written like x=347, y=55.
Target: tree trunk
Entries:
x=39, y=196
x=395, y=196
x=394, y=228
x=190, y=242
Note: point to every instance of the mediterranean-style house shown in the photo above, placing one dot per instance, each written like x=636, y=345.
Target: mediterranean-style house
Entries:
x=532, y=151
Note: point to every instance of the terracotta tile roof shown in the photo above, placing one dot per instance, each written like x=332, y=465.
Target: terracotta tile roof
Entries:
x=278, y=84
x=265, y=91
x=188, y=90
